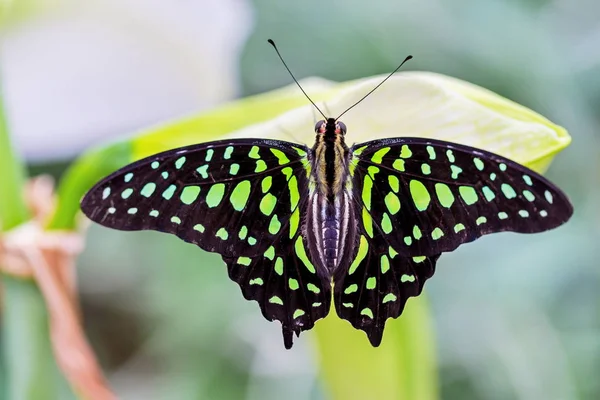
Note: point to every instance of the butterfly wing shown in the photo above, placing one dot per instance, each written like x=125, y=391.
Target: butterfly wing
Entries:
x=240, y=198
x=415, y=198
x=428, y=196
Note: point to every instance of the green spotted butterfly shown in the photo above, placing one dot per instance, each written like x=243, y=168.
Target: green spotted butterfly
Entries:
x=290, y=220
x=294, y=223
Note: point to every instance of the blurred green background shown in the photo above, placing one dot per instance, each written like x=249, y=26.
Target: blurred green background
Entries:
x=515, y=317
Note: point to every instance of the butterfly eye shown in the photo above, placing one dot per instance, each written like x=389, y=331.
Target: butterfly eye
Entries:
x=342, y=127
x=319, y=125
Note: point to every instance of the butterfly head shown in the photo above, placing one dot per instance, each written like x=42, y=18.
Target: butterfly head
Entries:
x=330, y=126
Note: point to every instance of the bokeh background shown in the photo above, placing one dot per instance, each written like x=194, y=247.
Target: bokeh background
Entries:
x=515, y=317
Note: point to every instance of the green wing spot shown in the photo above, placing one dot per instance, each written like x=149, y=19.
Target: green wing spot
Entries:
x=407, y=240
x=317, y=304
x=351, y=289
x=502, y=215
x=366, y=192
x=209, y=154
x=155, y=164
x=386, y=224
x=367, y=222
x=270, y=253
x=393, y=253
x=279, y=266
x=251, y=241
x=267, y=204
x=398, y=165
x=357, y=152
x=444, y=195
x=548, y=197
x=111, y=210
x=294, y=193
x=392, y=202
x=363, y=248
x=244, y=261
x=266, y=183
x=176, y=220
x=385, y=263
x=293, y=284
x=300, y=152
x=417, y=232
x=280, y=156
x=313, y=288
x=287, y=171
x=153, y=213
x=298, y=313
x=544, y=213
x=199, y=228
x=455, y=171
x=420, y=195
x=524, y=213
x=419, y=259
x=478, y=163
x=481, y=220
x=106, y=192
x=257, y=281
x=527, y=180
x=189, y=194
x=371, y=283
x=425, y=169
x=254, y=153
x=508, y=191
x=126, y=193
x=234, y=169
x=348, y=305
x=148, y=189
x=180, y=161
x=164, y=174
x=243, y=232
x=431, y=152
x=394, y=183
x=378, y=155
x=502, y=167
x=301, y=254
x=203, y=171
x=240, y=195
x=367, y=312
x=488, y=193
x=390, y=297
x=459, y=228
x=437, y=234
x=260, y=166
x=132, y=210
x=169, y=192
x=468, y=194
x=228, y=151
x=128, y=177
x=407, y=278
x=450, y=156
x=405, y=152
x=493, y=176
x=276, y=300
x=274, y=225
x=528, y=195
x=294, y=222
x=215, y=195
x=222, y=234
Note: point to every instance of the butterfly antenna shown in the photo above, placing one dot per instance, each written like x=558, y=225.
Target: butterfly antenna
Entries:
x=294, y=78
x=375, y=88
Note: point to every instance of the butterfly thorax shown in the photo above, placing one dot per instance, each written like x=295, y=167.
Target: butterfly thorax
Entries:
x=327, y=225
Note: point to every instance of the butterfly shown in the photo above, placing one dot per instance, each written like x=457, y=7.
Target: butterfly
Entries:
x=299, y=226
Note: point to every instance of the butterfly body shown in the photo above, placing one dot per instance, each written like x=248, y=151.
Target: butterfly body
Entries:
x=295, y=224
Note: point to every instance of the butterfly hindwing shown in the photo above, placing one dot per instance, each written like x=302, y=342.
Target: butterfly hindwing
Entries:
x=243, y=199
x=428, y=196
x=378, y=283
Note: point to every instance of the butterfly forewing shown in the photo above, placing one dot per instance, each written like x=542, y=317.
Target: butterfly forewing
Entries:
x=243, y=199
x=428, y=196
